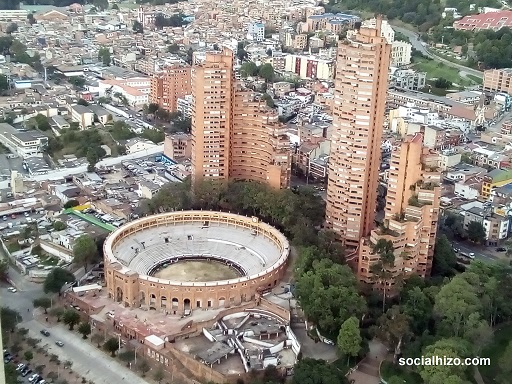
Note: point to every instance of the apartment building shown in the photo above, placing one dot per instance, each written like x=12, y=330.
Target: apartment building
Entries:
x=498, y=80
x=184, y=106
x=170, y=85
x=178, y=146
x=496, y=226
x=358, y=119
x=234, y=134
x=310, y=67
x=411, y=216
x=256, y=31
x=84, y=116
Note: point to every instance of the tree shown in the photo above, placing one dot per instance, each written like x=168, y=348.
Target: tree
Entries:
x=97, y=338
x=381, y=270
x=77, y=81
x=28, y=355
x=56, y=280
x=269, y=100
x=9, y=318
x=505, y=363
x=71, y=203
x=137, y=27
x=85, y=329
x=83, y=102
x=328, y=295
x=442, y=374
x=101, y=4
x=248, y=69
x=266, y=71
x=104, y=56
x=159, y=375
x=143, y=366
x=445, y=259
x=454, y=303
x=13, y=27
x=111, y=345
x=4, y=84
x=153, y=107
x=71, y=318
x=418, y=308
x=85, y=250
x=11, y=375
x=115, y=7
x=42, y=122
x=92, y=158
x=4, y=270
x=57, y=312
x=393, y=328
x=43, y=302
x=476, y=232
x=312, y=371
x=349, y=338
x=173, y=48
x=442, y=83
x=59, y=225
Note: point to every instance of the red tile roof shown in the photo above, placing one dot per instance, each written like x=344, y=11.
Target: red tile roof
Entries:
x=491, y=20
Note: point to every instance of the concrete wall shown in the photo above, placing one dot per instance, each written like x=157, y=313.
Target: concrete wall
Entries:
x=56, y=250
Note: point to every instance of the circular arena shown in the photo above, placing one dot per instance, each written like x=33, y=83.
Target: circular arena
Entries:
x=180, y=261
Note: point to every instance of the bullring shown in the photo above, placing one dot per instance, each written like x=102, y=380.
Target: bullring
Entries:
x=209, y=260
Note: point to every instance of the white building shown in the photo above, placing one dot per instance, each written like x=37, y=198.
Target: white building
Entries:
x=400, y=50
x=310, y=67
x=184, y=106
x=400, y=53
x=13, y=14
x=135, y=90
x=256, y=31
x=82, y=115
x=137, y=144
x=25, y=144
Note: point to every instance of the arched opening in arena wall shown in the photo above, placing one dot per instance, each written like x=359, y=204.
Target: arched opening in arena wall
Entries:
x=186, y=304
x=163, y=302
x=222, y=301
x=119, y=294
x=142, y=300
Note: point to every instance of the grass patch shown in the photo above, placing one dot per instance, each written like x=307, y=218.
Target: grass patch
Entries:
x=341, y=365
x=388, y=370
x=476, y=79
x=502, y=337
x=48, y=260
x=435, y=70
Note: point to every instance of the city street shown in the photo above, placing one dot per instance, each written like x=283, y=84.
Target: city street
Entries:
x=481, y=255
x=88, y=361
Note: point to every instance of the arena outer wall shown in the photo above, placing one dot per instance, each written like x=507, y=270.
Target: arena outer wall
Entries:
x=133, y=290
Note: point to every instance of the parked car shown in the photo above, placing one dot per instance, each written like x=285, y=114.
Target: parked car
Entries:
x=45, y=333
x=501, y=249
x=59, y=343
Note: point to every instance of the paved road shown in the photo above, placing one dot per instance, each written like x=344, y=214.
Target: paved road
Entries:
x=88, y=361
x=479, y=255
x=418, y=45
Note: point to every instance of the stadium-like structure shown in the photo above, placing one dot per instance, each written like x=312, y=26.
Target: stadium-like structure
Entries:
x=250, y=254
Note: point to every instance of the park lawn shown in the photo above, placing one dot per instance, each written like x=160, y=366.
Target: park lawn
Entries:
x=502, y=337
x=435, y=70
x=476, y=79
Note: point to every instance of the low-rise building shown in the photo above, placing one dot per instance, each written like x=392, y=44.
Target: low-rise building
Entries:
x=24, y=143
x=495, y=225
x=178, y=145
x=84, y=116
x=493, y=179
x=409, y=79
x=138, y=144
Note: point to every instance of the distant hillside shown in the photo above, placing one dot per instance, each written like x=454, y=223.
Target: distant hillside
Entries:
x=14, y=4
x=9, y=4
